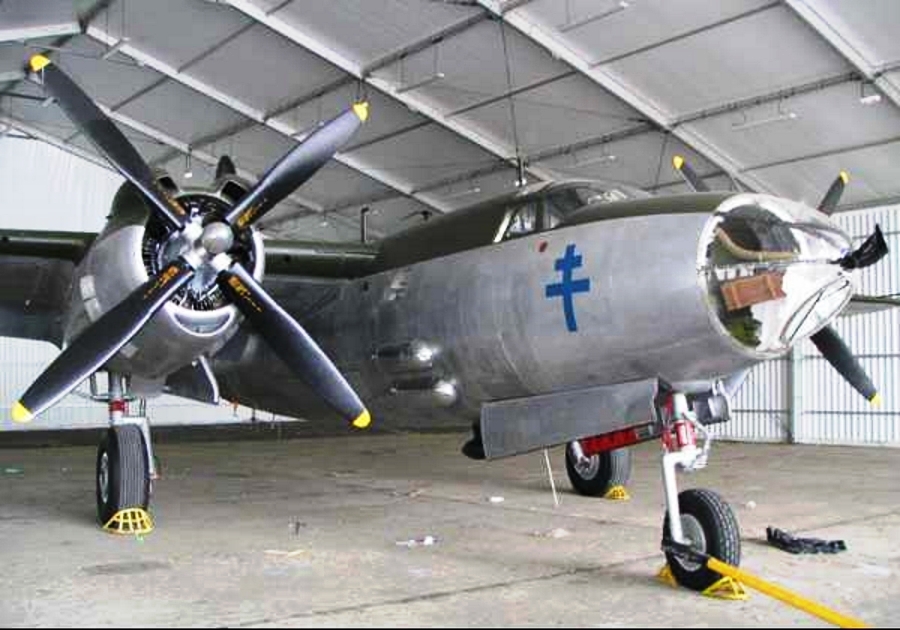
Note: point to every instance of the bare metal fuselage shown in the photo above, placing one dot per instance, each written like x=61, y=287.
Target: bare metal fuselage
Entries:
x=434, y=328
x=430, y=342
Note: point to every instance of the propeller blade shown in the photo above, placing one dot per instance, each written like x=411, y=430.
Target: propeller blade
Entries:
x=295, y=347
x=100, y=341
x=297, y=166
x=839, y=355
x=692, y=179
x=833, y=196
x=870, y=252
x=225, y=167
x=111, y=142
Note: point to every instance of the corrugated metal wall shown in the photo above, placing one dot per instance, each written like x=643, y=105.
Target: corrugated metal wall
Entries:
x=44, y=188
x=821, y=408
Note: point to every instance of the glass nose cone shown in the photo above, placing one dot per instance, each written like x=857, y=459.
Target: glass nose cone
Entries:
x=769, y=268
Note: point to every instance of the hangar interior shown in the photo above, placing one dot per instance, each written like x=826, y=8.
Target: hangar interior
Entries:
x=770, y=97
x=469, y=100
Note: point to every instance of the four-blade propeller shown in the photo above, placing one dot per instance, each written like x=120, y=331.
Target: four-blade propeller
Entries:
x=827, y=340
x=209, y=247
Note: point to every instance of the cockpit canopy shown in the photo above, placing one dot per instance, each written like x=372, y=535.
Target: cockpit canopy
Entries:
x=549, y=205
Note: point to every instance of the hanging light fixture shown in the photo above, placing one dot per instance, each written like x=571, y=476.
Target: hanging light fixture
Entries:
x=872, y=97
x=188, y=173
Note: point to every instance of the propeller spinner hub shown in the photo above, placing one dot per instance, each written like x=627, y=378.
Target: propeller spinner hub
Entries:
x=217, y=238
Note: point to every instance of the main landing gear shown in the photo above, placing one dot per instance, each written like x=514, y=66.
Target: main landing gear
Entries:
x=597, y=474
x=125, y=465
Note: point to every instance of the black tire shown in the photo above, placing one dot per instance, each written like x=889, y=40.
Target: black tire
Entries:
x=710, y=524
x=122, y=474
x=606, y=470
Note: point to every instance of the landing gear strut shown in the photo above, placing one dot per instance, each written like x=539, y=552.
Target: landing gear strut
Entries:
x=700, y=519
x=125, y=465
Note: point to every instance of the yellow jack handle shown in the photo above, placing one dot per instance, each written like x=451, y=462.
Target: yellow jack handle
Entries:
x=784, y=595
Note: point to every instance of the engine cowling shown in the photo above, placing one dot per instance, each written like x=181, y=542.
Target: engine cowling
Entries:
x=133, y=246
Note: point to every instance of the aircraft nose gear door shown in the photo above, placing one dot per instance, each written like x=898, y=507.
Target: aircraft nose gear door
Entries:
x=698, y=518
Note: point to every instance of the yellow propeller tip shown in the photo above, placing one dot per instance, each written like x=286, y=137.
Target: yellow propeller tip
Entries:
x=21, y=414
x=845, y=177
x=363, y=420
x=361, y=109
x=875, y=400
x=678, y=162
x=38, y=62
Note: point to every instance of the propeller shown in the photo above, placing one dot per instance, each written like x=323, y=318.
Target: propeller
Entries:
x=841, y=358
x=97, y=344
x=111, y=142
x=291, y=343
x=210, y=247
x=827, y=340
x=833, y=196
x=693, y=180
x=296, y=167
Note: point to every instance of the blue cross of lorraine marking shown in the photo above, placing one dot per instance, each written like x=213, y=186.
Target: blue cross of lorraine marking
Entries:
x=568, y=287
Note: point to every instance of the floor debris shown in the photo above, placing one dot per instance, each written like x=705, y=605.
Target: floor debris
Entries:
x=557, y=532
x=425, y=541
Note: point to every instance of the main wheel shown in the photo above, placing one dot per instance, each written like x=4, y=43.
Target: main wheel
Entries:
x=600, y=472
x=708, y=522
x=123, y=479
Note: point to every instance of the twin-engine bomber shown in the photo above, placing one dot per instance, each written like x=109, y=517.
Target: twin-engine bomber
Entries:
x=575, y=313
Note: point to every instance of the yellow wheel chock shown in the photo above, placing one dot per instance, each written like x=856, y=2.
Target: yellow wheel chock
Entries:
x=130, y=521
x=617, y=493
x=724, y=588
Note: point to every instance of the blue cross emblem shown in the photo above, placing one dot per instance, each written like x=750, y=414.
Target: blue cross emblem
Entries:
x=568, y=287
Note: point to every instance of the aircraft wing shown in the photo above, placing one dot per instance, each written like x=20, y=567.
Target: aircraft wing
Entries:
x=319, y=259
x=36, y=270
x=862, y=304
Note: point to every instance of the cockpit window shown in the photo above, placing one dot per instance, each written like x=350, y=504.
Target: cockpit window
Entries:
x=523, y=221
x=546, y=211
x=567, y=200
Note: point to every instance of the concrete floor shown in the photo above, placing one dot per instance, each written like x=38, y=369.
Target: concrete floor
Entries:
x=304, y=533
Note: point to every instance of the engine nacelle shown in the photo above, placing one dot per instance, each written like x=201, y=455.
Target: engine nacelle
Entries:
x=134, y=245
